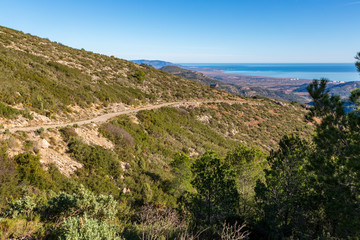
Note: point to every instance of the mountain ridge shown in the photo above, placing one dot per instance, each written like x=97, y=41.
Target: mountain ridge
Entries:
x=155, y=63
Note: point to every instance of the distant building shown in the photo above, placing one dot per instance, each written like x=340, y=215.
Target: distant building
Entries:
x=213, y=85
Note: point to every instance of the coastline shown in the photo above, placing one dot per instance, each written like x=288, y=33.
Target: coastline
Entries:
x=287, y=85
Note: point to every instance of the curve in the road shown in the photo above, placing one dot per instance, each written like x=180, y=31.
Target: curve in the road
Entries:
x=105, y=117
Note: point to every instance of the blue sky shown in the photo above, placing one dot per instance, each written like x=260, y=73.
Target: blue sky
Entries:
x=196, y=30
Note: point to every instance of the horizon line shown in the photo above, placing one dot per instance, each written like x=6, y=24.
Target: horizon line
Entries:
x=258, y=62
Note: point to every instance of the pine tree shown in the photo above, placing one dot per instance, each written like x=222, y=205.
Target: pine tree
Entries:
x=217, y=196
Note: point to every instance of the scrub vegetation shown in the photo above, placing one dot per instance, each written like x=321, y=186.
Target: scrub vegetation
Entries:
x=261, y=169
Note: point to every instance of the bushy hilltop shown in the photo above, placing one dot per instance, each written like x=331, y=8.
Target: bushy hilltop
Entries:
x=46, y=76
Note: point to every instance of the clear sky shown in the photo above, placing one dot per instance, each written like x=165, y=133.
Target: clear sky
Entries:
x=196, y=30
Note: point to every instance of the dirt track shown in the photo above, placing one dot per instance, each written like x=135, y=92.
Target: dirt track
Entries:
x=105, y=117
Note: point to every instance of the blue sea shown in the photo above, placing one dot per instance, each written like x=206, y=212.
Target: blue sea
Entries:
x=332, y=71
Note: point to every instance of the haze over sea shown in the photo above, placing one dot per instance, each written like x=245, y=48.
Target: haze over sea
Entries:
x=332, y=71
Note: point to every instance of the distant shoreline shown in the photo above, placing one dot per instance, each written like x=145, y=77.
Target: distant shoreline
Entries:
x=220, y=73
x=335, y=72
x=286, y=85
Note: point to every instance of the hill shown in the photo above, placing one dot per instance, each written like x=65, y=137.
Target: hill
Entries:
x=245, y=91
x=45, y=83
x=155, y=63
x=50, y=78
x=72, y=120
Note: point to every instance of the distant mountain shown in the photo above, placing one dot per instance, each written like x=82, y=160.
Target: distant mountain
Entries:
x=155, y=63
x=232, y=88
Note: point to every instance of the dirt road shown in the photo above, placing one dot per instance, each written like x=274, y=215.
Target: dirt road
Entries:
x=105, y=117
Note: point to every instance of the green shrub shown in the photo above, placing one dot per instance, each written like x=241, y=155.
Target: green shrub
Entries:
x=8, y=112
x=84, y=228
x=81, y=202
x=30, y=171
x=95, y=157
x=140, y=76
x=19, y=228
x=9, y=178
x=24, y=206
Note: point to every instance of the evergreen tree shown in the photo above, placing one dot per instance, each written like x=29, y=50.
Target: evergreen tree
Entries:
x=216, y=195
x=283, y=198
x=181, y=168
x=248, y=164
x=336, y=160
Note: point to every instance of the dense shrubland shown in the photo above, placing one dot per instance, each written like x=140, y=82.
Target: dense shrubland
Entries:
x=304, y=189
x=217, y=171
x=48, y=77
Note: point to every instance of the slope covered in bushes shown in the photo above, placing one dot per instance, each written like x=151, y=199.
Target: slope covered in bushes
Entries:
x=45, y=76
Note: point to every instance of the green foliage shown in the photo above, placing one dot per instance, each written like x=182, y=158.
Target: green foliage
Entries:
x=8, y=178
x=140, y=76
x=24, y=170
x=324, y=104
x=24, y=206
x=68, y=133
x=11, y=113
x=95, y=157
x=284, y=198
x=335, y=163
x=312, y=191
x=48, y=77
x=147, y=142
x=8, y=112
x=102, y=169
x=81, y=202
x=248, y=164
x=358, y=62
x=355, y=97
x=81, y=215
x=30, y=171
x=216, y=196
x=84, y=228
x=300, y=189
x=181, y=169
x=19, y=228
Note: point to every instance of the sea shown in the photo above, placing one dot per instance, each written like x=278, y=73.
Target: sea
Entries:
x=332, y=71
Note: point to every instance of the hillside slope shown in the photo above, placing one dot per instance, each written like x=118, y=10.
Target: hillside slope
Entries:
x=72, y=119
x=145, y=142
x=53, y=85
x=50, y=78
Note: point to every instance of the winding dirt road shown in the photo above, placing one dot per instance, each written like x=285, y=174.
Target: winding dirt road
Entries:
x=105, y=117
